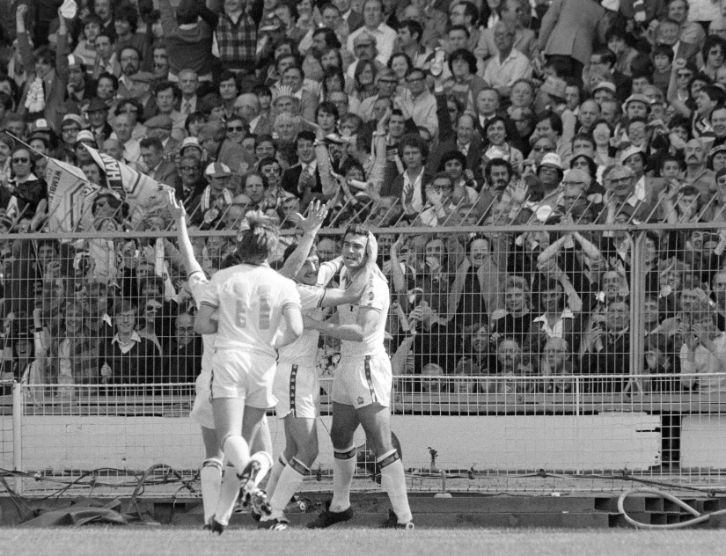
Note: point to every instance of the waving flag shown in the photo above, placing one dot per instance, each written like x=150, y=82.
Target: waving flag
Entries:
x=143, y=194
x=70, y=196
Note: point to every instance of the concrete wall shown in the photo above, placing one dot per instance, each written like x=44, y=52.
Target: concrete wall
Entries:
x=606, y=441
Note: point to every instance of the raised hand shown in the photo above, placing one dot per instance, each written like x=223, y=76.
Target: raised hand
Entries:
x=519, y=192
x=175, y=207
x=317, y=211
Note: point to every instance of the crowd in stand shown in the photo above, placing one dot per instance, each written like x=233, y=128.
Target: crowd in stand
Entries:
x=421, y=113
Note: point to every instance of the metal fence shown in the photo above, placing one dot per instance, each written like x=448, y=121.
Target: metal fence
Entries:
x=523, y=355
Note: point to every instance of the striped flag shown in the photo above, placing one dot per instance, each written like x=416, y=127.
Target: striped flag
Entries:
x=143, y=194
x=70, y=196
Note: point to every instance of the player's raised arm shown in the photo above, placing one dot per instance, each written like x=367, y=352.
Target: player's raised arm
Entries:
x=310, y=227
x=176, y=208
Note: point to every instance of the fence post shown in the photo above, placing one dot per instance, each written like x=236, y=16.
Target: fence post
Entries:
x=637, y=289
x=18, y=434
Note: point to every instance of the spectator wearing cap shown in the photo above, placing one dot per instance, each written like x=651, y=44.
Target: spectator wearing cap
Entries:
x=364, y=50
x=153, y=162
x=717, y=158
x=509, y=65
x=161, y=127
x=97, y=112
x=635, y=158
x=166, y=96
x=569, y=30
x=141, y=91
x=191, y=147
x=70, y=127
x=604, y=91
x=190, y=183
x=45, y=86
x=636, y=106
x=550, y=173
x=212, y=202
x=81, y=154
x=373, y=25
x=188, y=37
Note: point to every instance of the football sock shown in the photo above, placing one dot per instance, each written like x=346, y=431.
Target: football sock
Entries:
x=290, y=479
x=393, y=481
x=228, y=493
x=277, y=468
x=210, y=477
x=343, y=469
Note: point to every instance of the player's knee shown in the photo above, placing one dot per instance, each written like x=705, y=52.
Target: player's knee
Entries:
x=226, y=438
x=340, y=438
x=381, y=444
x=307, y=453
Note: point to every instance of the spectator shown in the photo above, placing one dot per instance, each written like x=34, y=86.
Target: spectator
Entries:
x=183, y=353
x=373, y=25
x=126, y=358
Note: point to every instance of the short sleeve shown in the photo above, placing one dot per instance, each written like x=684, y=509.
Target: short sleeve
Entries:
x=374, y=296
x=208, y=295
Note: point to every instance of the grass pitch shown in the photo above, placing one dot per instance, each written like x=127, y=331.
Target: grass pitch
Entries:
x=107, y=541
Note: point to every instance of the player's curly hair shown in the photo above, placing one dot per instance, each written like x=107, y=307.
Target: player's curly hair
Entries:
x=257, y=238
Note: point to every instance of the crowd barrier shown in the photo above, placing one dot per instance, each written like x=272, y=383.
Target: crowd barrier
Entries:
x=519, y=352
